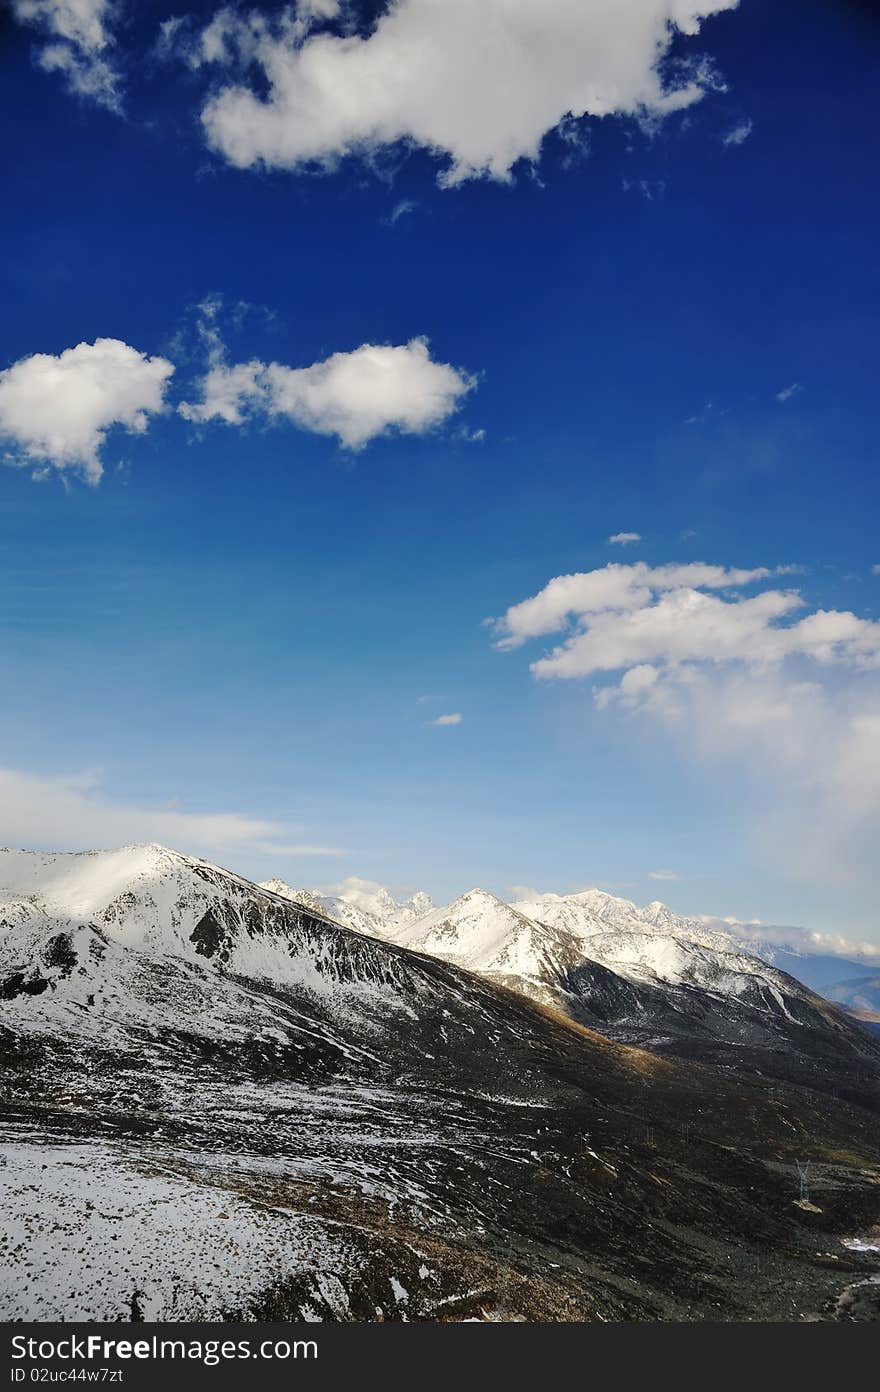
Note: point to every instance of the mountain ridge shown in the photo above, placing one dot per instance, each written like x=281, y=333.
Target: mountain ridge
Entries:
x=645, y=977
x=348, y=1129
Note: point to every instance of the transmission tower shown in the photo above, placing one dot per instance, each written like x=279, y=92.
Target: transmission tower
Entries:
x=803, y=1167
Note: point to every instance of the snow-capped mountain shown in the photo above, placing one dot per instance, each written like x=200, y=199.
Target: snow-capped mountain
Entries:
x=653, y=944
x=623, y=934
x=525, y=940
x=593, y=911
x=360, y=904
x=308, y=898
x=81, y=930
x=288, y=1120
x=479, y=932
x=641, y=975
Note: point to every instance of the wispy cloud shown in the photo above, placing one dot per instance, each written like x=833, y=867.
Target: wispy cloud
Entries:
x=739, y=134
x=454, y=719
x=400, y=210
x=648, y=188
x=73, y=812
x=788, y=392
x=78, y=44
x=624, y=539
x=663, y=875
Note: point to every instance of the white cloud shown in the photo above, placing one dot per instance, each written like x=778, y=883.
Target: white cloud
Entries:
x=686, y=626
x=788, y=392
x=624, y=538
x=57, y=409
x=738, y=135
x=78, y=41
x=356, y=396
x=615, y=587
x=401, y=209
x=875, y=570
x=807, y=939
x=791, y=699
x=479, y=85
x=71, y=813
x=519, y=893
x=454, y=719
x=364, y=894
x=662, y=875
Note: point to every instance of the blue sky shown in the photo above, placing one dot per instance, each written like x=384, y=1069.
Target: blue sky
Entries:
x=237, y=638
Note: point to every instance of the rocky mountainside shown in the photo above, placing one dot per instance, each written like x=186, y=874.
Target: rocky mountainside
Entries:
x=219, y=1103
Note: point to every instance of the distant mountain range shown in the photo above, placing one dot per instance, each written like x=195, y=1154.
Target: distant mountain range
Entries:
x=218, y=1101
x=641, y=975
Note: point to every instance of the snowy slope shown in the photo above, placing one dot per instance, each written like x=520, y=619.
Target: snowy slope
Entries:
x=370, y=908
x=483, y=934
x=593, y=912
x=643, y=975
x=220, y=1103
x=280, y=1116
x=147, y=939
x=530, y=939
x=364, y=907
x=477, y=931
x=653, y=943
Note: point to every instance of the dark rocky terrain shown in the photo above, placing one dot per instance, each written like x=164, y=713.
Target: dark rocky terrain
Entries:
x=218, y=1105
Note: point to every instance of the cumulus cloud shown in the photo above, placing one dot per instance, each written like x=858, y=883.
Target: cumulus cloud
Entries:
x=358, y=891
x=454, y=719
x=624, y=538
x=479, y=85
x=614, y=588
x=72, y=813
x=685, y=626
x=78, y=44
x=356, y=396
x=791, y=698
x=56, y=410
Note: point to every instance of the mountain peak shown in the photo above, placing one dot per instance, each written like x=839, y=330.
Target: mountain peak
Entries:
x=304, y=897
